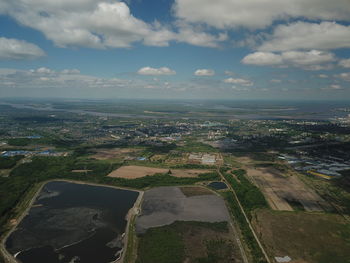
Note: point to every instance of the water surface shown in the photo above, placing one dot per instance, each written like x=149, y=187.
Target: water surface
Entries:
x=72, y=222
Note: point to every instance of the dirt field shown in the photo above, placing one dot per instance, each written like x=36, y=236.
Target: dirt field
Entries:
x=188, y=172
x=305, y=237
x=105, y=154
x=133, y=171
x=285, y=193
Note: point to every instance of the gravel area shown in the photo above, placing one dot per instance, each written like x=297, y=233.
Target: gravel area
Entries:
x=165, y=205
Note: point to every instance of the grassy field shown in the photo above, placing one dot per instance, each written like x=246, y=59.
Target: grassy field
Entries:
x=197, y=242
x=305, y=237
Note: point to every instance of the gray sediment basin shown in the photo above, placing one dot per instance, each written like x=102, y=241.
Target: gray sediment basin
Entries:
x=165, y=205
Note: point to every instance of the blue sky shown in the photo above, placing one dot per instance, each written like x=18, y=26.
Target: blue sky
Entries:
x=224, y=49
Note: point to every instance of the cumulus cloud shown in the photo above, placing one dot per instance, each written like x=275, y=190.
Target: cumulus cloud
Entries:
x=262, y=59
x=204, y=72
x=275, y=81
x=345, y=63
x=156, y=71
x=45, y=78
x=99, y=24
x=335, y=86
x=71, y=71
x=323, y=76
x=254, y=14
x=310, y=60
x=239, y=81
x=344, y=76
x=307, y=36
x=43, y=70
x=18, y=49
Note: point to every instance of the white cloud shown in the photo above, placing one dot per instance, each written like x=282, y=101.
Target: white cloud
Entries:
x=237, y=88
x=311, y=60
x=344, y=76
x=156, y=71
x=229, y=72
x=262, y=59
x=204, y=72
x=45, y=78
x=70, y=71
x=99, y=24
x=345, y=63
x=275, y=81
x=43, y=70
x=307, y=36
x=18, y=49
x=239, y=81
x=257, y=13
x=323, y=76
x=335, y=86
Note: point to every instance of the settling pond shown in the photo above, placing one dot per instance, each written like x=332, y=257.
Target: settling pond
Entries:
x=71, y=222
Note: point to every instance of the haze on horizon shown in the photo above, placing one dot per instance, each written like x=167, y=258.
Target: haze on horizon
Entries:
x=180, y=49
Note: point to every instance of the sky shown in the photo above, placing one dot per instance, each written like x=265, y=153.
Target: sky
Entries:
x=175, y=49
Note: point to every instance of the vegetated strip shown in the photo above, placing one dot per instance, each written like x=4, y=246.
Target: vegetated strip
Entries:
x=248, y=193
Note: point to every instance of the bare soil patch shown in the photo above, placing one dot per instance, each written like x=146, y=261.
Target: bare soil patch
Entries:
x=283, y=192
x=188, y=172
x=105, y=154
x=134, y=171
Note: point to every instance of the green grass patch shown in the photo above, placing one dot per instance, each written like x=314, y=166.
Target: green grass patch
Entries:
x=161, y=244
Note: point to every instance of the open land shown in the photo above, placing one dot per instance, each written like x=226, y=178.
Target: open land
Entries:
x=134, y=171
x=187, y=242
x=282, y=192
x=185, y=224
x=86, y=141
x=188, y=172
x=304, y=237
x=105, y=154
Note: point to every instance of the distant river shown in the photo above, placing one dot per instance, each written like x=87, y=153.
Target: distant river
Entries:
x=72, y=222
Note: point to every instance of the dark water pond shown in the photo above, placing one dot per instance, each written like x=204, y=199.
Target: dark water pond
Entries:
x=73, y=223
x=218, y=185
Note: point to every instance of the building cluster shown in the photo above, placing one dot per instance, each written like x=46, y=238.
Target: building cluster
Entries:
x=329, y=168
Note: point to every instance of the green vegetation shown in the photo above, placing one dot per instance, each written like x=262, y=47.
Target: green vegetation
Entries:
x=315, y=238
x=195, y=146
x=246, y=232
x=171, y=243
x=192, y=166
x=161, y=244
x=217, y=251
x=248, y=194
x=130, y=253
x=19, y=141
x=9, y=162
